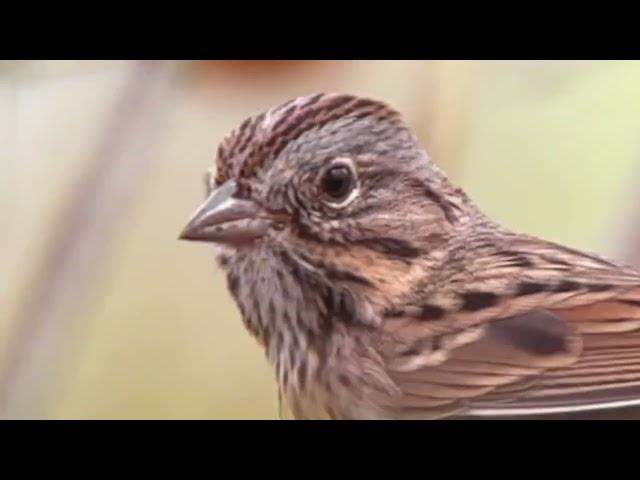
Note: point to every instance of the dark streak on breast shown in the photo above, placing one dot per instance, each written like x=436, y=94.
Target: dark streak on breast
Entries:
x=302, y=374
x=233, y=284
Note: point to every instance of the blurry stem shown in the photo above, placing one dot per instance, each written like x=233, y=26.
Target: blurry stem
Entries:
x=445, y=101
x=627, y=237
x=82, y=242
x=8, y=115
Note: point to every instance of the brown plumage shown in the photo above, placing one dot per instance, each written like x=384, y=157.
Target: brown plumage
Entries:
x=379, y=290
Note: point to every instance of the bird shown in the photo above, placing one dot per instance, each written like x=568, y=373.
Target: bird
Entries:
x=379, y=290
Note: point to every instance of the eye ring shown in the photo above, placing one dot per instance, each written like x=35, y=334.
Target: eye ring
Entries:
x=339, y=183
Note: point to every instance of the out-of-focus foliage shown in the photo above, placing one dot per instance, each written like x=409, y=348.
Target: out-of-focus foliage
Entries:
x=554, y=147
x=544, y=147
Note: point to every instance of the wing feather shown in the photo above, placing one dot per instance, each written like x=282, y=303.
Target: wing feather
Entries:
x=557, y=340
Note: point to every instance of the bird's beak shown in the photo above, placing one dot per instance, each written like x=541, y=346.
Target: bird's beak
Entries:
x=222, y=218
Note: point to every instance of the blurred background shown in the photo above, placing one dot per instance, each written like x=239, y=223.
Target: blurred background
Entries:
x=105, y=314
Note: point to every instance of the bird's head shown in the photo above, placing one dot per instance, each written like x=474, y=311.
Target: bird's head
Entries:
x=334, y=185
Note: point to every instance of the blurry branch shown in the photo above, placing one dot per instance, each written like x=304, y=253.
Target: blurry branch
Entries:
x=39, y=71
x=445, y=100
x=8, y=136
x=82, y=242
x=8, y=114
x=628, y=234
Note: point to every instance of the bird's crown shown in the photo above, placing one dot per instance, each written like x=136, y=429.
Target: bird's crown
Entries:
x=261, y=138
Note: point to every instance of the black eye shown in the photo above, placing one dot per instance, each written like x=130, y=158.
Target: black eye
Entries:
x=338, y=182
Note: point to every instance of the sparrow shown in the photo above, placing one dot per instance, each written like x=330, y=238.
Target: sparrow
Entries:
x=379, y=290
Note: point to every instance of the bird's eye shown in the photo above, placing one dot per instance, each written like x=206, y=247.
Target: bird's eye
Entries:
x=338, y=182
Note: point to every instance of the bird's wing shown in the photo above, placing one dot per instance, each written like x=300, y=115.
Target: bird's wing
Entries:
x=562, y=337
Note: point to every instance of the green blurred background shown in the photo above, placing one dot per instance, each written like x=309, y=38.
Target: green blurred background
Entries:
x=105, y=314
